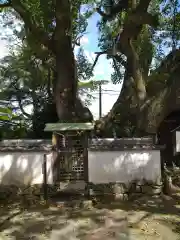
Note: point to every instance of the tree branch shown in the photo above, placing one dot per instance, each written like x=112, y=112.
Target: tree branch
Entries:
x=22, y=109
x=98, y=54
x=116, y=67
x=143, y=5
x=50, y=95
x=77, y=41
x=19, y=100
x=144, y=18
x=120, y=60
x=131, y=29
x=113, y=10
x=31, y=24
x=114, y=57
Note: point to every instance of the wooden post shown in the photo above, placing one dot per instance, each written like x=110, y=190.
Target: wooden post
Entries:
x=45, y=194
x=86, y=167
x=100, y=101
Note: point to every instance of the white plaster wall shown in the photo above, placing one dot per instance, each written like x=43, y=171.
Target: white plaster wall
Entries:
x=24, y=168
x=111, y=166
x=124, y=166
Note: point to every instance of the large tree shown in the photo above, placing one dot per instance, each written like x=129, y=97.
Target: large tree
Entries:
x=136, y=36
x=26, y=82
x=136, y=26
x=27, y=76
x=51, y=27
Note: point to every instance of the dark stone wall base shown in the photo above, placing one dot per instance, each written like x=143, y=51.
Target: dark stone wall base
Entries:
x=120, y=191
x=110, y=191
x=13, y=192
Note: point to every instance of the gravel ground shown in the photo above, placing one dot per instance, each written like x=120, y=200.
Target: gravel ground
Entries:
x=145, y=219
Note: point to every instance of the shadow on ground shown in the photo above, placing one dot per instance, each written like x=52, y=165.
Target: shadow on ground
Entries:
x=145, y=218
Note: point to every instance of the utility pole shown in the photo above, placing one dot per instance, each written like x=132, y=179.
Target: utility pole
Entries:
x=100, y=100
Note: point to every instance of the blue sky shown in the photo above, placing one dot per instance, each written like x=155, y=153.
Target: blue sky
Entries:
x=102, y=70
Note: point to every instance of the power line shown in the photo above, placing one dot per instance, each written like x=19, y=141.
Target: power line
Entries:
x=102, y=92
x=109, y=90
x=105, y=93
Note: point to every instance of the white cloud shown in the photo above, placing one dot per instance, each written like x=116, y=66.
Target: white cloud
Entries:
x=76, y=51
x=4, y=49
x=84, y=40
x=103, y=68
x=90, y=55
x=98, y=71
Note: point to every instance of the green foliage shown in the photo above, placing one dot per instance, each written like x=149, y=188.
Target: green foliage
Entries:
x=10, y=123
x=168, y=34
x=27, y=76
x=151, y=44
x=5, y=111
x=151, y=47
x=84, y=67
x=42, y=12
x=25, y=82
x=27, y=73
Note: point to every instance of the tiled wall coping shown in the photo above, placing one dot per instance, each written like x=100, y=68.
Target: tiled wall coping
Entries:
x=106, y=144
x=25, y=145
x=122, y=144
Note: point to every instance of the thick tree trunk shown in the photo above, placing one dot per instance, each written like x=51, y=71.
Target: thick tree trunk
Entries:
x=154, y=95
x=69, y=106
x=133, y=92
x=162, y=99
x=131, y=30
x=121, y=108
x=163, y=93
x=65, y=85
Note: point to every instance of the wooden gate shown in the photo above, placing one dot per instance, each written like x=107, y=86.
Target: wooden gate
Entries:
x=72, y=156
x=70, y=143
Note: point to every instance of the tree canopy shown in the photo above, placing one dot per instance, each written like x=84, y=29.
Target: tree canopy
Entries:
x=135, y=35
